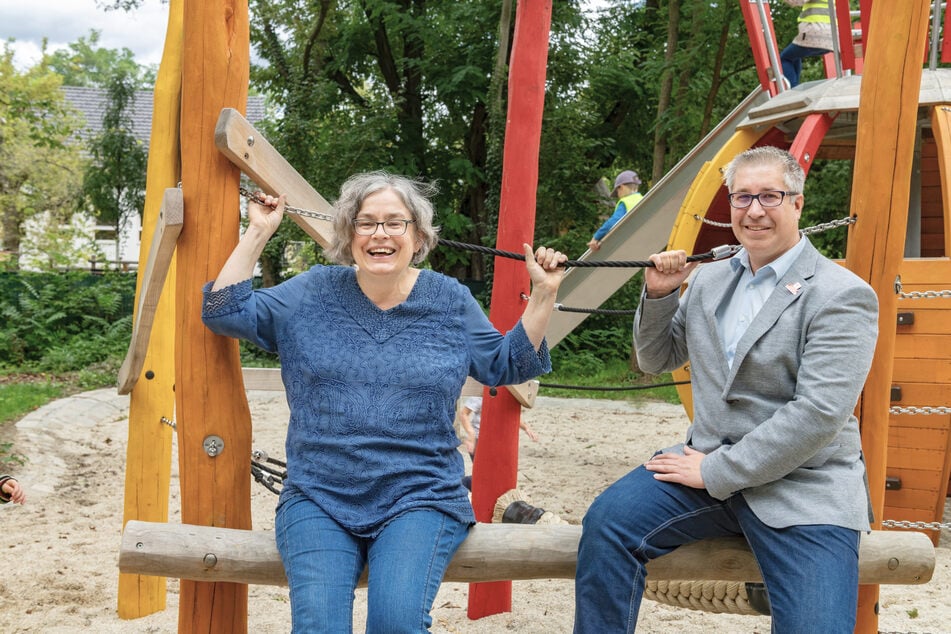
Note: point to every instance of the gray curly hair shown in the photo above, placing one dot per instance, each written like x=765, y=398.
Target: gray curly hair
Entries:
x=414, y=194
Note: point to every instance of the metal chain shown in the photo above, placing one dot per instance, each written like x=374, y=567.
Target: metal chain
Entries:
x=825, y=226
x=923, y=294
x=288, y=208
x=832, y=224
x=913, y=411
x=931, y=526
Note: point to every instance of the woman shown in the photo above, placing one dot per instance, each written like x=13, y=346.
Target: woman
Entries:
x=374, y=355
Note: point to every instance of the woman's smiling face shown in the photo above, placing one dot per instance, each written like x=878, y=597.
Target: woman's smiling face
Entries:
x=379, y=253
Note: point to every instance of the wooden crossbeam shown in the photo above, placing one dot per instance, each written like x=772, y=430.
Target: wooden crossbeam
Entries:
x=247, y=148
x=493, y=552
x=167, y=229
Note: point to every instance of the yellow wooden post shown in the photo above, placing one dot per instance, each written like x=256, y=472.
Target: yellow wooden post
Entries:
x=149, y=452
x=214, y=422
x=884, y=151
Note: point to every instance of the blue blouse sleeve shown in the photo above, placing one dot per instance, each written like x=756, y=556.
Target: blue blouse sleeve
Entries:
x=240, y=312
x=497, y=359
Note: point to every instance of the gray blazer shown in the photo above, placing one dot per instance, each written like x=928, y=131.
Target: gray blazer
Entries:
x=778, y=427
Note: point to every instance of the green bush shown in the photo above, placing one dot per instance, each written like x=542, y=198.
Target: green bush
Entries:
x=63, y=321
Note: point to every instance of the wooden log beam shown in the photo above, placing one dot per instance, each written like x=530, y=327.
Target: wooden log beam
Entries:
x=493, y=552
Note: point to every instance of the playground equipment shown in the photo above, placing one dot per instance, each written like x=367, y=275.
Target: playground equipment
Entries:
x=812, y=121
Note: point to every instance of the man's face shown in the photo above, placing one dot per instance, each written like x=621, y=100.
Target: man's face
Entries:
x=765, y=232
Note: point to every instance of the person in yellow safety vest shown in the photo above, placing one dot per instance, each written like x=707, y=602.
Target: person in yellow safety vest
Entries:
x=813, y=39
x=625, y=188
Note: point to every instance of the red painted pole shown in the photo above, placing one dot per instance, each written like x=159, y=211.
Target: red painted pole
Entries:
x=496, y=467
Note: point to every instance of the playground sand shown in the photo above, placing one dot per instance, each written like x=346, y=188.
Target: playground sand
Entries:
x=61, y=548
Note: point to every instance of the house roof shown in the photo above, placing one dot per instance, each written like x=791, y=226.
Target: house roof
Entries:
x=92, y=102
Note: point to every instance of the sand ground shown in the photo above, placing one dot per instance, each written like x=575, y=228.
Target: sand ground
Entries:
x=61, y=548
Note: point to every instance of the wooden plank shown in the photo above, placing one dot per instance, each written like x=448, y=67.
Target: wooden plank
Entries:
x=908, y=370
x=917, y=458
x=924, y=394
x=495, y=552
x=923, y=346
x=907, y=498
x=923, y=421
x=248, y=149
x=926, y=273
x=927, y=320
x=149, y=447
x=210, y=399
x=167, y=230
x=917, y=438
x=918, y=479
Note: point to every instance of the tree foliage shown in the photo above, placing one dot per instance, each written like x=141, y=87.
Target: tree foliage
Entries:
x=114, y=181
x=40, y=166
x=85, y=63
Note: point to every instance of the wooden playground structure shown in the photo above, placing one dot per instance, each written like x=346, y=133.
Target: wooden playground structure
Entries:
x=899, y=140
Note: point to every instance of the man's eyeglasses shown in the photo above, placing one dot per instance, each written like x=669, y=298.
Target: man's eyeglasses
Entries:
x=772, y=198
x=393, y=227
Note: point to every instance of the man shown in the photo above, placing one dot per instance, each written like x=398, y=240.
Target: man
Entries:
x=779, y=340
x=625, y=188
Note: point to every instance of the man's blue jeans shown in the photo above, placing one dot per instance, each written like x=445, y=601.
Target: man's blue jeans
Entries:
x=811, y=572
x=323, y=562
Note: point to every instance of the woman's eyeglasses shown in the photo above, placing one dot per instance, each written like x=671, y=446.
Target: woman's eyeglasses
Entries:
x=393, y=227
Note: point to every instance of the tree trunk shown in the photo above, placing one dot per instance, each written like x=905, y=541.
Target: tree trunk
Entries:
x=666, y=89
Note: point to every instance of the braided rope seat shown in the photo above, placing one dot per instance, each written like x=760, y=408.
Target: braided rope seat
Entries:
x=718, y=597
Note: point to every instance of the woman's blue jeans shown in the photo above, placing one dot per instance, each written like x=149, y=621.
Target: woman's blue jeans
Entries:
x=810, y=572
x=323, y=562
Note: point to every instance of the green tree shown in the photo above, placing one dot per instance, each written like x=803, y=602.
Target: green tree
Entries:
x=40, y=166
x=85, y=63
x=114, y=182
x=411, y=86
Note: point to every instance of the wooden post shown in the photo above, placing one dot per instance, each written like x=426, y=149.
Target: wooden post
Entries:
x=884, y=151
x=496, y=464
x=149, y=449
x=213, y=422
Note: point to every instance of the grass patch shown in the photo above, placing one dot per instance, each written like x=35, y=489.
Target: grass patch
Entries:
x=21, y=395
x=608, y=381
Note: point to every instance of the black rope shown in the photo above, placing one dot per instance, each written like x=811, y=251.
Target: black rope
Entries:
x=595, y=311
x=717, y=253
x=268, y=476
x=616, y=388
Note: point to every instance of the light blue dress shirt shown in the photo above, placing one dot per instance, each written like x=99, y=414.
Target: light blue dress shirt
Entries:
x=738, y=310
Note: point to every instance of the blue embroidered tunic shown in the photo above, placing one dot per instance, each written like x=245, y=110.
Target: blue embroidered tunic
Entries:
x=372, y=392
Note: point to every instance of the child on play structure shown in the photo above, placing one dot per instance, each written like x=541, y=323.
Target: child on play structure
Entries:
x=10, y=490
x=374, y=354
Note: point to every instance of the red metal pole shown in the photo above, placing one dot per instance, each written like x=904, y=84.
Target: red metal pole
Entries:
x=495, y=469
